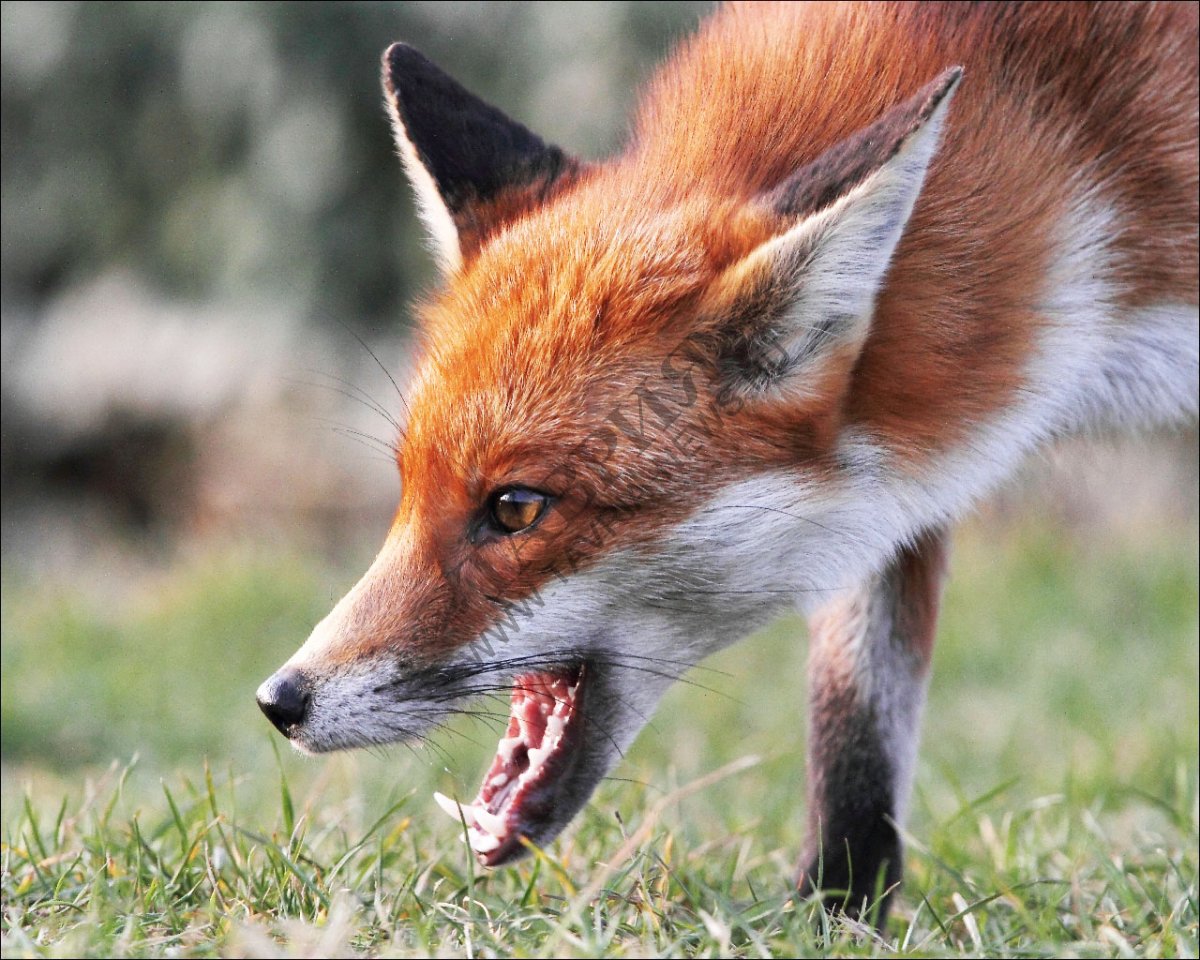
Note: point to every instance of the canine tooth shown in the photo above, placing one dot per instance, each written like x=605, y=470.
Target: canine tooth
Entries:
x=490, y=822
x=483, y=842
x=452, y=808
x=498, y=780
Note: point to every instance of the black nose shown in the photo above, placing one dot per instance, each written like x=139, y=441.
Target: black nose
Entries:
x=284, y=698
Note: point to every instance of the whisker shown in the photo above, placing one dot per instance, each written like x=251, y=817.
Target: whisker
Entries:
x=355, y=392
x=379, y=444
x=378, y=453
x=386, y=372
x=365, y=399
x=792, y=516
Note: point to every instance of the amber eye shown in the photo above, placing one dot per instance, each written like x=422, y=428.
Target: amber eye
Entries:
x=515, y=509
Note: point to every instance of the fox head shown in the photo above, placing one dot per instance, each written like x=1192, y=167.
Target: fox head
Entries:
x=624, y=442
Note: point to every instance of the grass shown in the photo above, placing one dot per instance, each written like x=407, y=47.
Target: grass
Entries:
x=1056, y=810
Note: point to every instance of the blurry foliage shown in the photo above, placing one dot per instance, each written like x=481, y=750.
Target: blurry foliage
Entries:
x=169, y=670
x=242, y=149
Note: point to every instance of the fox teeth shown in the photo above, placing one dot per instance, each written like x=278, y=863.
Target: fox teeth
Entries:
x=554, y=728
x=483, y=842
x=490, y=822
x=457, y=811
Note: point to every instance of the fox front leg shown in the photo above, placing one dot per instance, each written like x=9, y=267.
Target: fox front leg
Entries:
x=868, y=663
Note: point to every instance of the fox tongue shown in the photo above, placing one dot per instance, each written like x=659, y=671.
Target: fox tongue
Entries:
x=519, y=785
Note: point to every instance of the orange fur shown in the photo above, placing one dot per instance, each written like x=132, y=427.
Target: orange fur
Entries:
x=576, y=301
x=766, y=355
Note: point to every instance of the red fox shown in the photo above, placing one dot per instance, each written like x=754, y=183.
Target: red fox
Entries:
x=856, y=262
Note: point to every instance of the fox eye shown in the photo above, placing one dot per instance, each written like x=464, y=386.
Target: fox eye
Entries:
x=516, y=508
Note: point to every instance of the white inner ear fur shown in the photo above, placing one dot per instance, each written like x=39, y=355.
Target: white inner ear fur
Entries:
x=443, y=234
x=836, y=258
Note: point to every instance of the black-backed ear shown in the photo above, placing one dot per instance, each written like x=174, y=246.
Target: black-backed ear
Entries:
x=809, y=293
x=473, y=168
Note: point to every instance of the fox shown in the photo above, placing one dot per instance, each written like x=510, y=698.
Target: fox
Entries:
x=853, y=265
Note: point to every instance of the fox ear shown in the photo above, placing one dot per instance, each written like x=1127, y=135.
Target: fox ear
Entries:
x=808, y=294
x=473, y=168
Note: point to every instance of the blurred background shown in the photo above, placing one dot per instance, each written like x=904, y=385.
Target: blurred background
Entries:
x=206, y=235
x=203, y=213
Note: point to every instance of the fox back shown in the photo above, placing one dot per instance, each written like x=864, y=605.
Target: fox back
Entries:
x=856, y=261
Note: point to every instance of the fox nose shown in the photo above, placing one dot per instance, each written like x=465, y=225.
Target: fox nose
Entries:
x=284, y=698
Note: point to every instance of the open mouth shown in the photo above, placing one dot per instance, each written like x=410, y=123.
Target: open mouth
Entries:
x=534, y=758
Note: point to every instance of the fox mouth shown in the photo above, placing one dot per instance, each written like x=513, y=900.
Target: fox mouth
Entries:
x=530, y=779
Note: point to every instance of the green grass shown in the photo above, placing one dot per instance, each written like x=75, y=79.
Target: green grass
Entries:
x=1056, y=810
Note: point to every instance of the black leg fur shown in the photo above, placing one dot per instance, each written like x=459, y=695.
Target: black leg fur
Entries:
x=868, y=663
